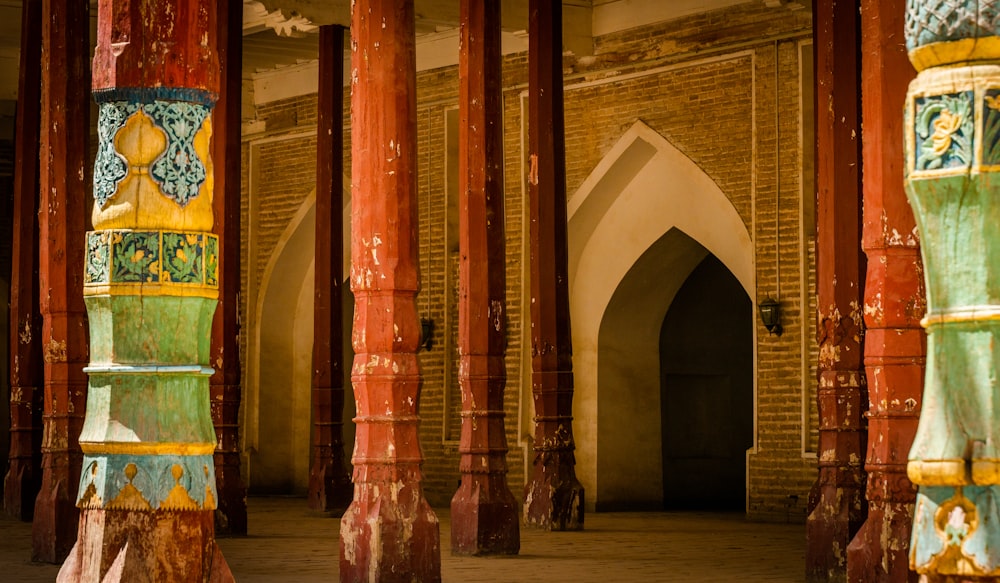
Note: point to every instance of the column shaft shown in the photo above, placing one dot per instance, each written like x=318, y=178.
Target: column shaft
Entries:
x=225, y=386
x=553, y=496
x=24, y=473
x=63, y=148
x=838, y=493
x=484, y=513
x=330, y=486
x=389, y=533
x=951, y=128
x=147, y=492
x=894, y=303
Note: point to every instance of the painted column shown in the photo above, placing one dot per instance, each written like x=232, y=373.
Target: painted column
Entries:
x=330, y=486
x=147, y=492
x=63, y=158
x=952, y=137
x=389, y=533
x=225, y=386
x=553, y=497
x=838, y=493
x=894, y=303
x=24, y=473
x=484, y=513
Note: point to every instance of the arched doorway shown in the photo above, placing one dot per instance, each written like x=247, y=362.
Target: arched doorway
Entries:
x=639, y=225
x=706, y=379
x=278, y=417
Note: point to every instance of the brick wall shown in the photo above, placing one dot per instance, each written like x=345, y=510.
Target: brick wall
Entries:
x=707, y=84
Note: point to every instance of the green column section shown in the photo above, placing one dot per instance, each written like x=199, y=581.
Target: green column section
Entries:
x=151, y=289
x=952, y=125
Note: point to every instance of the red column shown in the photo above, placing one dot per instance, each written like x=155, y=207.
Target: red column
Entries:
x=65, y=118
x=330, y=487
x=895, y=344
x=24, y=473
x=389, y=533
x=840, y=507
x=484, y=513
x=225, y=387
x=553, y=496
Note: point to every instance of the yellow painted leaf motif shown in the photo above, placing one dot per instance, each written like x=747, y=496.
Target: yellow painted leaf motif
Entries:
x=993, y=102
x=138, y=255
x=182, y=255
x=945, y=126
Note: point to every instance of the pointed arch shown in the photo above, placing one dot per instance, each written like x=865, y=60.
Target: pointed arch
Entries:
x=647, y=213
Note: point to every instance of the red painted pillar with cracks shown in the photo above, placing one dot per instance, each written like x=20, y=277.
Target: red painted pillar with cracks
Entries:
x=330, y=487
x=65, y=120
x=389, y=533
x=895, y=344
x=24, y=473
x=225, y=385
x=553, y=496
x=838, y=494
x=484, y=513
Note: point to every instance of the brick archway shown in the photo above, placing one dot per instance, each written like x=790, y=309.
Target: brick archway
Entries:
x=643, y=189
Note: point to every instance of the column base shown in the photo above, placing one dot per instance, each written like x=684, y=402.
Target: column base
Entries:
x=554, y=499
x=20, y=487
x=330, y=488
x=134, y=546
x=55, y=522
x=830, y=527
x=389, y=534
x=879, y=553
x=484, y=517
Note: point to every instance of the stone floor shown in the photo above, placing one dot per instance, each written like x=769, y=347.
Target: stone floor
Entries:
x=289, y=543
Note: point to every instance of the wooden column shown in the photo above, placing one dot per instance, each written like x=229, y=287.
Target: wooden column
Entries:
x=553, y=497
x=330, y=486
x=25, y=471
x=951, y=129
x=840, y=508
x=225, y=385
x=148, y=491
x=63, y=156
x=894, y=303
x=389, y=533
x=484, y=513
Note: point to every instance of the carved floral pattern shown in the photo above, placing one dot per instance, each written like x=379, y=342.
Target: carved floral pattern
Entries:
x=122, y=256
x=944, y=127
x=178, y=170
x=182, y=257
x=98, y=261
x=136, y=256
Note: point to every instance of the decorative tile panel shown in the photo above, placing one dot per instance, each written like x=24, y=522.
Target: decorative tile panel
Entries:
x=944, y=128
x=182, y=257
x=165, y=258
x=135, y=256
x=142, y=482
x=991, y=128
x=110, y=167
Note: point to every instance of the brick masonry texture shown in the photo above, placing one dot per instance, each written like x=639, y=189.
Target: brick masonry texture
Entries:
x=707, y=83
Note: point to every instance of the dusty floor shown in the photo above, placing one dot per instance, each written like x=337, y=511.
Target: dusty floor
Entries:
x=287, y=542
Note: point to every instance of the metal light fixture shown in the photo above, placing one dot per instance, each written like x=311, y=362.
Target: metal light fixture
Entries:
x=426, y=333
x=770, y=315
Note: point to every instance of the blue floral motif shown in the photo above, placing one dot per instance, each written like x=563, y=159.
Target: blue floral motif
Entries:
x=110, y=167
x=178, y=170
x=98, y=264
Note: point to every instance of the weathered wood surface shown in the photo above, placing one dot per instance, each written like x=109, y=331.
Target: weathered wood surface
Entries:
x=838, y=507
x=952, y=138
x=330, y=487
x=226, y=389
x=62, y=186
x=894, y=303
x=553, y=497
x=389, y=533
x=24, y=471
x=484, y=513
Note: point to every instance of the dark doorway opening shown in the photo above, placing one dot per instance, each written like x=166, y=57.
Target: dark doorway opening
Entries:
x=706, y=381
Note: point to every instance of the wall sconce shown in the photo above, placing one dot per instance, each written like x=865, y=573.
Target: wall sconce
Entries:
x=770, y=315
x=426, y=333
